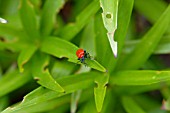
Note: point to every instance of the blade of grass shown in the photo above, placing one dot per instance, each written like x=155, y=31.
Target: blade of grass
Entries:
x=28, y=19
x=25, y=56
x=145, y=77
x=61, y=48
x=131, y=106
x=49, y=14
x=148, y=43
x=110, y=10
x=70, y=30
x=41, y=74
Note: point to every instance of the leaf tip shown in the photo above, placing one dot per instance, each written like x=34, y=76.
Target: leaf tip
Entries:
x=21, y=69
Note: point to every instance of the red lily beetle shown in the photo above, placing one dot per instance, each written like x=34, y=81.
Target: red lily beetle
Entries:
x=82, y=55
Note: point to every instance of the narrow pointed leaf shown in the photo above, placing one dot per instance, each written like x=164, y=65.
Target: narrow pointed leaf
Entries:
x=100, y=91
x=62, y=48
x=131, y=106
x=148, y=43
x=42, y=75
x=12, y=81
x=124, y=15
x=51, y=7
x=40, y=95
x=145, y=77
x=110, y=10
x=70, y=30
x=75, y=96
x=153, y=8
x=25, y=56
x=28, y=18
x=89, y=106
x=4, y=102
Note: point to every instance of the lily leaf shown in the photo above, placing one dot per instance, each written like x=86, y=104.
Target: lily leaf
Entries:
x=28, y=18
x=148, y=43
x=70, y=30
x=131, y=106
x=136, y=77
x=41, y=74
x=62, y=48
x=8, y=82
x=100, y=90
x=25, y=56
x=110, y=10
x=40, y=95
x=49, y=15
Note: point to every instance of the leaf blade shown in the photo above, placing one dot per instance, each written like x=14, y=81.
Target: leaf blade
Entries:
x=131, y=106
x=70, y=30
x=25, y=56
x=28, y=18
x=145, y=77
x=109, y=15
x=147, y=44
x=62, y=48
x=48, y=15
x=39, y=63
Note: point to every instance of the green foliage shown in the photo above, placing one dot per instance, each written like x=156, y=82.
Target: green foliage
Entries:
x=38, y=59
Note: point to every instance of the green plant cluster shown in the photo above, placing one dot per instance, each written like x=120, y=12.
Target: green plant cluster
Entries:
x=39, y=70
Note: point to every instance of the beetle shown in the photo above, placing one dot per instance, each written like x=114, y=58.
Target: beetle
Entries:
x=82, y=55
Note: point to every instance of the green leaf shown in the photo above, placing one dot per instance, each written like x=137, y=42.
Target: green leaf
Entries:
x=124, y=15
x=41, y=74
x=88, y=106
x=75, y=96
x=148, y=43
x=12, y=81
x=151, y=105
x=62, y=48
x=4, y=102
x=41, y=95
x=110, y=10
x=153, y=8
x=70, y=30
x=131, y=106
x=25, y=56
x=50, y=8
x=62, y=68
x=143, y=77
x=28, y=19
x=100, y=90
x=103, y=49
x=162, y=47
x=110, y=102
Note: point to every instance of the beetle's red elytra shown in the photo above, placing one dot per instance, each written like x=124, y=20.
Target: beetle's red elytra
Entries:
x=82, y=55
